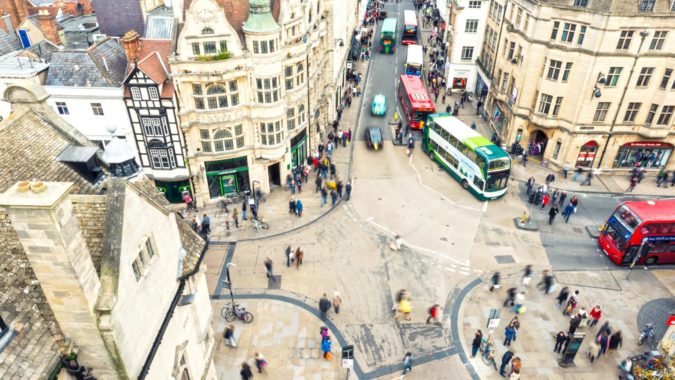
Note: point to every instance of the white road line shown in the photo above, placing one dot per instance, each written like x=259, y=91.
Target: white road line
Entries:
x=485, y=206
x=464, y=273
x=449, y=269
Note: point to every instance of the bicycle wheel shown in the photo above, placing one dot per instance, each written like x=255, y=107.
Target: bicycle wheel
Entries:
x=641, y=339
x=486, y=359
x=223, y=311
x=247, y=317
x=230, y=316
x=264, y=225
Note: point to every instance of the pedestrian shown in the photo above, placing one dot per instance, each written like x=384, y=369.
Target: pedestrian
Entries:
x=228, y=336
x=524, y=159
x=554, y=197
x=603, y=328
x=563, y=196
x=260, y=362
x=530, y=183
x=633, y=183
x=288, y=254
x=495, y=281
x=333, y=197
x=572, y=302
x=206, y=225
x=550, y=178
x=337, y=301
x=324, y=306
x=596, y=314
x=616, y=340
x=515, y=374
x=568, y=211
x=299, y=255
x=519, y=308
x=268, y=268
x=324, y=196
x=509, y=334
x=544, y=200
x=291, y=205
x=348, y=189
x=603, y=341
x=476, y=343
x=546, y=281
x=404, y=308
x=244, y=204
x=195, y=224
x=510, y=297
x=593, y=351
x=672, y=179
x=560, y=339
x=506, y=358
x=339, y=186
x=434, y=312
x=298, y=207
x=574, y=324
x=589, y=176
x=317, y=182
x=527, y=275
x=407, y=363
x=565, y=169
x=578, y=172
x=662, y=178
x=325, y=348
x=562, y=296
x=552, y=213
x=235, y=217
x=246, y=373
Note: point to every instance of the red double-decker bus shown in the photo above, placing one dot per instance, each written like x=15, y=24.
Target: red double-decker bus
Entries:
x=415, y=101
x=635, y=224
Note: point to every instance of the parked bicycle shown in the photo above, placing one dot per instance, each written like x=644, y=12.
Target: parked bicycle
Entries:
x=259, y=225
x=647, y=335
x=230, y=199
x=230, y=312
x=488, y=355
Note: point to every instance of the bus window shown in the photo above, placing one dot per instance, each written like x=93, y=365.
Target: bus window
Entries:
x=444, y=134
x=478, y=182
x=471, y=155
x=499, y=164
x=497, y=181
x=627, y=217
x=453, y=141
x=616, y=235
x=480, y=161
x=419, y=116
x=661, y=247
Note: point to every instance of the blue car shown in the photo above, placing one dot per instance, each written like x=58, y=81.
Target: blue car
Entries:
x=379, y=107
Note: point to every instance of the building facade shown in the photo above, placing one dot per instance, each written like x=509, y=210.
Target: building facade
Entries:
x=586, y=83
x=467, y=20
x=255, y=88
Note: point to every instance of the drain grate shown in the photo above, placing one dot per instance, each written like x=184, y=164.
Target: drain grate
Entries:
x=577, y=230
x=504, y=259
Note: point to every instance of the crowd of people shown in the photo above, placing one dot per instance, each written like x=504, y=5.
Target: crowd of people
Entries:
x=545, y=196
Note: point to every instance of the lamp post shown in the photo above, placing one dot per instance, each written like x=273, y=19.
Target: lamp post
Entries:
x=228, y=281
x=643, y=35
x=596, y=90
x=638, y=254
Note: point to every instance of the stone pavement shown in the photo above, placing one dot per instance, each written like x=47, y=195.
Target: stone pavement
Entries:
x=619, y=298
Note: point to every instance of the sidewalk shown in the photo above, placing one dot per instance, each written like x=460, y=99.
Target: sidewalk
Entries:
x=620, y=301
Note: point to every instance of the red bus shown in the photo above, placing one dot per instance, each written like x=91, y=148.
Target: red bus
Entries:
x=647, y=223
x=415, y=100
x=409, y=28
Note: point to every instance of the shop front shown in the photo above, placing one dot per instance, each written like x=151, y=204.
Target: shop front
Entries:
x=482, y=87
x=587, y=154
x=173, y=190
x=227, y=176
x=650, y=154
x=299, y=149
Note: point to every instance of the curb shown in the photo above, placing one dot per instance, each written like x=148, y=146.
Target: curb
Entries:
x=633, y=195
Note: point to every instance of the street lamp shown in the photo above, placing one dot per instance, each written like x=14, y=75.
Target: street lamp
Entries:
x=596, y=90
x=228, y=281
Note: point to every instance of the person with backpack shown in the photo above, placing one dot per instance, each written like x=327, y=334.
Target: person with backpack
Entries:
x=476, y=343
x=325, y=348
x=246, y=373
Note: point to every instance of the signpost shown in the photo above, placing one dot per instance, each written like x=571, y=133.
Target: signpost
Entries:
x=638, y=254
x=573, y=345
x=348, y=358
x=493, y=318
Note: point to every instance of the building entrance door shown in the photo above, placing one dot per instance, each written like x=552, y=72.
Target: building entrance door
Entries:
x=274, y=174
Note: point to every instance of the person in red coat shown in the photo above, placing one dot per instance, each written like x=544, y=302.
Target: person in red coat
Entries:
x=596, y=313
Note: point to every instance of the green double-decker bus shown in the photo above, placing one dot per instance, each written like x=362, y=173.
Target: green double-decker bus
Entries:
x=388, y=36
x=479, y=165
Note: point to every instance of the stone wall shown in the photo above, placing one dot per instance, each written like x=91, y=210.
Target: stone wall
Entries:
x=90, y=212
x=34, y=351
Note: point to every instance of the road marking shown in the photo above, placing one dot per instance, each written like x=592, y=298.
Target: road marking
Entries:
x=464, y=273
x=449, y=269
x=485, y=206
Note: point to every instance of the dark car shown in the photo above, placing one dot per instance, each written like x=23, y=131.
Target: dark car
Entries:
x=374, y=138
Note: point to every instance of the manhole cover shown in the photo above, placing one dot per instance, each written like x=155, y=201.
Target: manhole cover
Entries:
x=504, y=259
x=577, y=230
x=274, y=282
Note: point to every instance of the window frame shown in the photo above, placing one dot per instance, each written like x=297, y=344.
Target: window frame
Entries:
x=554, y=68
x=228, y=143
x=471, y=25
x=667, y=73
x=625, y=39
x=632, y=109
x=545, y=101
x=228, y=98
x=97, y=109
x=62, y=108
x=666, y=115
x=601, y=112
x=555, y=30
x=566, y=71
x=267, y=90
x=658, y=40
x=644, y=77
x=276, y=134
x=556, y=106
x=465, y=50
x=653, y=109
x=613, y=75
x=646, y=5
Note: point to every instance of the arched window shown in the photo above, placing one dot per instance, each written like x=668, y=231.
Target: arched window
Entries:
x=222, y=140
x=215, y=97
x=207, y=31
x=299, y=74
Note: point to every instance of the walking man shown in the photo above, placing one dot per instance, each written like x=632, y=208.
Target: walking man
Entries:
x=506, y=358
x=299, y=255
x=509, y=334
x=477, y=341
x=206, y=226
x=495, y=281
x=348, y=189
x=568, y=211
x=530, y=184
x=228, y=336
x=552, y=213
x=324, y=306
x=337, y=301
x=268, y=268
x=407, y=363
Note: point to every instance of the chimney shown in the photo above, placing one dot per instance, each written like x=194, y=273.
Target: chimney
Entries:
x=47, y=22
x=87, y=8
x=49, y=231
x=17, y=10
x=132, y=45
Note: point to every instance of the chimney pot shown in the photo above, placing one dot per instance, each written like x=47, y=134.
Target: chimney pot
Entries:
x=132, y=45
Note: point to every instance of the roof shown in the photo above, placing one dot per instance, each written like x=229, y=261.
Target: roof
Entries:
x=31, y=144
x=260, y=19
x=20, y=64
x=154, y=62
x=657, y=209
x=8, y=42
x=118, y=151
x=43, y=49
x=101, y=65
x=468, y=136
x=153, y=67
x=160, y=24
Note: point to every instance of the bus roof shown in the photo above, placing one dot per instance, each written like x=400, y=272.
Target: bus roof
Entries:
x=468, y=136
x=389, y=25
x=417, y=93
x=663, y=210
x=415, y=54
x=409, y=18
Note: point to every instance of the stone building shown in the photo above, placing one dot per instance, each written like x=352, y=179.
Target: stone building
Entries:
x=585, y=82
x=80, y=269
x=255, y=89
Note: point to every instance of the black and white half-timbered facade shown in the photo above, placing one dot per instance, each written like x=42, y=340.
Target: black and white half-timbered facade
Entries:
x=149, y=97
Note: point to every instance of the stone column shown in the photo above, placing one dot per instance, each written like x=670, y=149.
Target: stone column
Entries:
x=51, y=237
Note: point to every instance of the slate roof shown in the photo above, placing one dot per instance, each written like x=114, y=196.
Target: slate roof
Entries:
x=101, y=65
x=30, y=144
x=8, y=42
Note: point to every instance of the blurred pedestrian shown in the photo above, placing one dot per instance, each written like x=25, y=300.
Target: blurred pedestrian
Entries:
x=596, y=314
x=495, y=281
x=530, y=184
x=260, y=362
x=560, y=339
x=246, y=373
x=298, y=208
x=299, y=256
x=434, y=312
x=519, y=308
x=572, y=302
x=510, y=297
x=337, y=301
x=552, y=213
x=509, y=334
x=476, y=343
x=291, y=205
x=348, y=189
x=407, y=363
x=633, y=183
x=562, y=296
x=527, y=275
x=574, y=324
x=228, y=336
x=563, y=196
x=235, y=217
x=268, y=267
x=615, y=340
x=326, y=347
x=324, y=306
x=568, y=211
x=593, y=351
x=506, y=358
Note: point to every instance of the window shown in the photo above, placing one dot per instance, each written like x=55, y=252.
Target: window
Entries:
x=527, y=22
x=210, y=48
x=613, y=76
x=263, y=47
x=554, y=32
x=500, y=10
x=566, y=73
x=658, y=40
x=135, y=93
x=137, y=270
x=665, y=79
x=556, y=106
x=149, y=248
x=467, y=52
x=652, y=112
x=217, y=95
x=512, y=49
x=580, y=3
x=224, y=139
x=196, y=49
x=545, y=103
x=553, y=69
x=625, y=38
x=207, y=31
x=62, y=108
x=162, y=158
x=301, y=114
x=154, y=94
x=155, y=126
x=223, y=45
x=267, y=89
x=568, y=32
x=519, y=16
x=97, y=109
x=294, y=75
x=290, y=118
x=644, y=77
x=505, y=81
x=582, y=34
x=666, y=114
x=288, y=73
x=471, y=26
x=631, y=111
x=646, y=5
x=601, y=111
x=271, y=133
x=474, y=4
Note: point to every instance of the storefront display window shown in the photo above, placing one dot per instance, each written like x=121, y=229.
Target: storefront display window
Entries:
x=587, y=154
x=648, y=154
x=173, y=190
x=227, y=176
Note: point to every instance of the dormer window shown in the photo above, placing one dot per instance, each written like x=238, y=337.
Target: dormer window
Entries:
x=207, y=31
x=264, y=47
